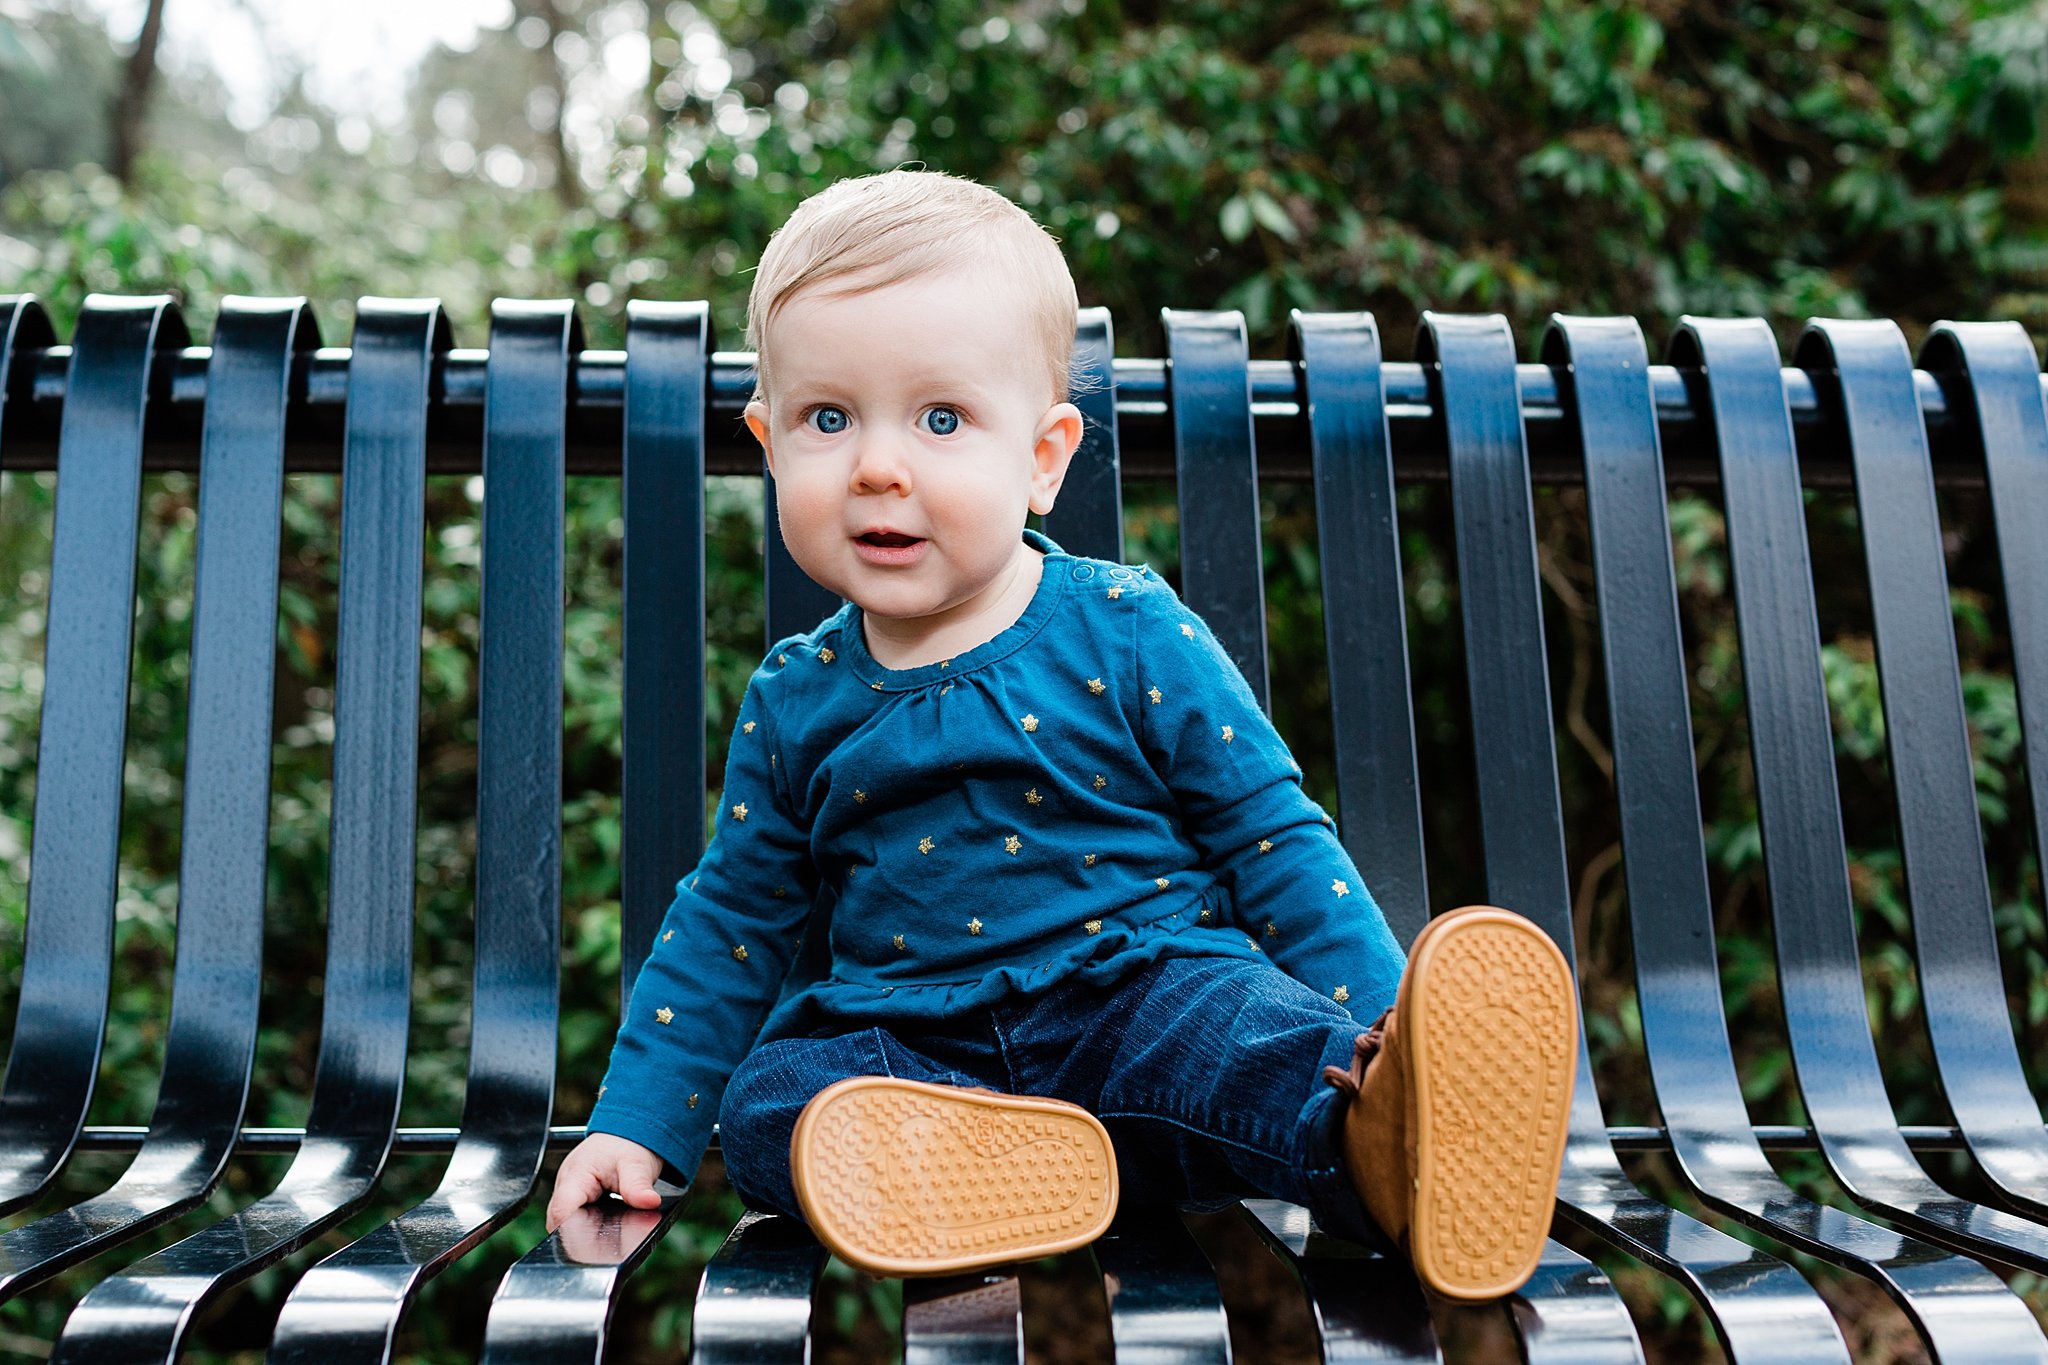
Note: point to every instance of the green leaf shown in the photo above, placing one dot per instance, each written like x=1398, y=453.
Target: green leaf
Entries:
x=1236, y=219
x=1271, y=216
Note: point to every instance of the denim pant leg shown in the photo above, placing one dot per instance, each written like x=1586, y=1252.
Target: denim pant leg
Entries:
x=1207, y=1072
x=771, y=1086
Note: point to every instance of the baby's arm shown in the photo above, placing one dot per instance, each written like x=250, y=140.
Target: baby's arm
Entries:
x=1297, y=895
x=715, y=970
x=601, y=1164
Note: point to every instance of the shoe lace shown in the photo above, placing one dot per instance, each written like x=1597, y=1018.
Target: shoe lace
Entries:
x=1363, y=1050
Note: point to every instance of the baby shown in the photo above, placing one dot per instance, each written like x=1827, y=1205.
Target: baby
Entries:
x=1078, y=935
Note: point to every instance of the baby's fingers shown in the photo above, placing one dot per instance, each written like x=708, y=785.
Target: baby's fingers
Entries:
x=637, y=1172
x=576, y=1184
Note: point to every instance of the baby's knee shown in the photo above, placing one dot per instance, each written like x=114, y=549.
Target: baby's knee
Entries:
x=755, y=1120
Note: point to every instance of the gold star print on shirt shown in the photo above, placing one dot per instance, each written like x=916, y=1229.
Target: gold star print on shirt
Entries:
x=1133, y=703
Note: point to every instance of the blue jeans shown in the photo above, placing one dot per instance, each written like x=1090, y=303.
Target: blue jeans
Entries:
x=1207, y=1072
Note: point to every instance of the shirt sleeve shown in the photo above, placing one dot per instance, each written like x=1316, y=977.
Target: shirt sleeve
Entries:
x=718, y=963
x=1294, y=890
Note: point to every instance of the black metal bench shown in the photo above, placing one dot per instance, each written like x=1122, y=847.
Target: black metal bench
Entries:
x=129, y=393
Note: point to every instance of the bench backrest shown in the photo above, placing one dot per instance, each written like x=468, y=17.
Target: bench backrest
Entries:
x=1596, y=413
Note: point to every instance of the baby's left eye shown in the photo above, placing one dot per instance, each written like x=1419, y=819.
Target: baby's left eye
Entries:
x=941, y=421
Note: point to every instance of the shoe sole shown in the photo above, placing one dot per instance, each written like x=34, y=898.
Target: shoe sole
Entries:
x=1493, y=1030
x=905, y=1178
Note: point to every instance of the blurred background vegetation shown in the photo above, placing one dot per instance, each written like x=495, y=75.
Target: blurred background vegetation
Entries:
x=1787, y=159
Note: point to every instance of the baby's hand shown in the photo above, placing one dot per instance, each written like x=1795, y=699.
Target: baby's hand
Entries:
x=604, y=1161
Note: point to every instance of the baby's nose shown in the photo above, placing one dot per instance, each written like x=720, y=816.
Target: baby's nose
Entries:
x=881, y=465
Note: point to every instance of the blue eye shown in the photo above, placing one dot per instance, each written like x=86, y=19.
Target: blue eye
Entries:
x=941, y=421
x=829, y=420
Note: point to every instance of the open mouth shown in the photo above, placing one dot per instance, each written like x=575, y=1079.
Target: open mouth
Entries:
x=889, y=540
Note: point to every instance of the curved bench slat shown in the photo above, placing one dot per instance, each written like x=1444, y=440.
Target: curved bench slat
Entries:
x=1962, y=991
x=217, y=976
x=1956, y=1303
x=145, y=1312
x=754, y=1302
x=555, y=1303
x=1367, y=1307
x=661, y=813
x=66, y=970
x=963, y=1320
x=1164, y=1306
x=349, y=1306
x=1763, y=1309
x=1579, y=1317
x=1813, y=919
x=1222, y=573
x=1358, y=544
x=554, y=1306
x=2003, y=410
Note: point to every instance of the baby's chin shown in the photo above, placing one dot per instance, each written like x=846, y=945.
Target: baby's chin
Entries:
x=898, y=606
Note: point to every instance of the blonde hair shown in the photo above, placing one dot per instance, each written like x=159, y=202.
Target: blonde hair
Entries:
x=876, y=230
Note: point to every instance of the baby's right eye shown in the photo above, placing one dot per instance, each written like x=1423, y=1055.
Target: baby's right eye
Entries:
x=828, y=419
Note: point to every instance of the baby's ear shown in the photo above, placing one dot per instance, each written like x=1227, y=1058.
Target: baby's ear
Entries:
x=757, y=422
x=1059, y=436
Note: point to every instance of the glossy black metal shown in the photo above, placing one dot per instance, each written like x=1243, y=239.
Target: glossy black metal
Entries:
x=61, y=1010
x=1570, y=1314
x=1379, y=801
x=963, y=1320
x=1573, y=1309
x=662, y=797
x=39, y=1126
x=24, y=330
x=1222, y=578
x=754, y=1302
x=1995, y=375
x=1222, y=574
x=1813, y=921
x=217, y=978
x=1088, y=518
x=143, y=1313
x=555, y=1303
x=1631, y=1137
x=1367, y=1307
x=1164, y=1306
x=349, y=1306
x=1761, y=1307
x=1962, y=993
x=1963, y=1310
x=1144, y=424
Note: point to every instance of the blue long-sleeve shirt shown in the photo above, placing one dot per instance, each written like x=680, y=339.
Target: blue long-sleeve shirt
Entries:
x=1093, y=789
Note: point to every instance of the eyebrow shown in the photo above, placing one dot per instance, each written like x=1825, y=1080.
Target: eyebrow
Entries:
x=965, y=389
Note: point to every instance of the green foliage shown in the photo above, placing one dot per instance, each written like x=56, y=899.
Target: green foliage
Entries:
x=1781, y=159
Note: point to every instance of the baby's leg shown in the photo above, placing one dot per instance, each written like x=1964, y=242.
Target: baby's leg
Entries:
x=772, y=1085
x=1207, y=1072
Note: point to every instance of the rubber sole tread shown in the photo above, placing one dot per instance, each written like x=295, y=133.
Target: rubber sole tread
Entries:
x=907, y=1178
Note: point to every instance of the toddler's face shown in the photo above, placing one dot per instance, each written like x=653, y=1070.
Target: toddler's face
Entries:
x=909, y=432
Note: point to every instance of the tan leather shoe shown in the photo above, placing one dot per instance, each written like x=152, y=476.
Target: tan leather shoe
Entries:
x=1460, y=1096
x=906, y=1178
